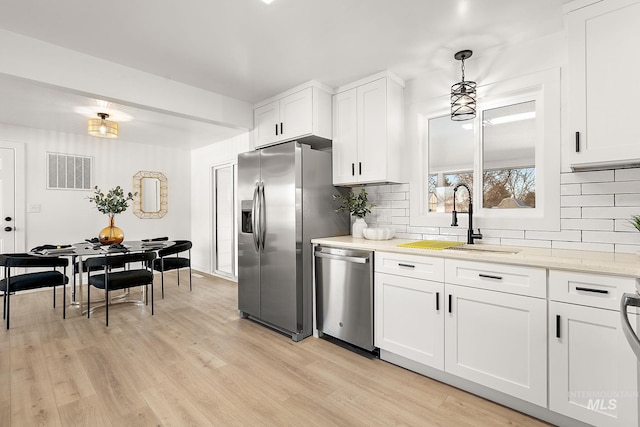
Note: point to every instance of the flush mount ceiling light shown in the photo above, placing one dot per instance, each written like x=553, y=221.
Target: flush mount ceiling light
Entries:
x=463, y=94
x=267, y=1
x=102, y=127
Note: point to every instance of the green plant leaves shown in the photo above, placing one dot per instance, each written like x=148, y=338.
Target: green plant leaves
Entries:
x=112, y=203
x=356, y=204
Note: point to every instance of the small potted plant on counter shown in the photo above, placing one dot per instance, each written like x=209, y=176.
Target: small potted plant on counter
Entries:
x=357, y=205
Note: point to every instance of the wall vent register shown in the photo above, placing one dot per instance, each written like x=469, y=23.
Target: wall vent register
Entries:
x=68, y=172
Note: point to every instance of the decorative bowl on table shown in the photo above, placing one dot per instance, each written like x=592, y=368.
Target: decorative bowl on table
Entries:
x=378, y=233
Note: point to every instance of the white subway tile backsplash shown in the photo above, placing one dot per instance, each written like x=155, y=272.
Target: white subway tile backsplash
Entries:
x=625, y=187
x=617, y=212
x=400, y=204
x=392, y=196
x=526, y=243
x=632, y=174
x=508, y=234
x=571, y=212
x=570, y=189
x=410, y=236
x=581, y=246
x=423, y=230
x=394, y=188
x=592, y=200
x=628, y=249
x=628, y=199
x=587, y=224
x=624, y=225
x=611, y=237
x=400, y=220
x=580, y=177
x=564, y=235
x=399, y=212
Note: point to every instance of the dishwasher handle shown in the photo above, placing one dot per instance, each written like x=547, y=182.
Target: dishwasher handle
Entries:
x=356, y=259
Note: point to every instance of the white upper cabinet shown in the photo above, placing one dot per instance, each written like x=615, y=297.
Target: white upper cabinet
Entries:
x=368, y=123
x=603, y=41
x=302, y=112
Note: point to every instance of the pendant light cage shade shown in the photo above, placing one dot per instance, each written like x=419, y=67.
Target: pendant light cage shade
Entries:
x=102, y=127
x=463, y=94
x=463, y=101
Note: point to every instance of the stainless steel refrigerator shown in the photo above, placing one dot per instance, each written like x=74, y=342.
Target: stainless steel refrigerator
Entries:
x=285, y=200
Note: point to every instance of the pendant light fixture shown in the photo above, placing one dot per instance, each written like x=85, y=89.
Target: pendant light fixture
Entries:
x=463, y=94
x=102, y=127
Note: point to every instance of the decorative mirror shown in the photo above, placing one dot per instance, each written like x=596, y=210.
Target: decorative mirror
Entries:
x=151, y=194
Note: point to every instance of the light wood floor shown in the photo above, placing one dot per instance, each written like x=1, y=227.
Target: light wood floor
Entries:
x=196, y=363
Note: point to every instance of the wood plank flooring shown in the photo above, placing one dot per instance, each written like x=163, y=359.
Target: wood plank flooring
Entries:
x=195, y=363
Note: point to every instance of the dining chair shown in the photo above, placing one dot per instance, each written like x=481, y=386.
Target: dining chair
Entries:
x=167, y=262
x=35, y=280
x=156, y=239
x=109, y=280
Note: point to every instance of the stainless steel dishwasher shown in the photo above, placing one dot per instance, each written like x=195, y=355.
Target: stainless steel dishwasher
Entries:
x=344, y=294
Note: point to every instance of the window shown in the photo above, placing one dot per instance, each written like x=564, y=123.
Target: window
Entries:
x=65, y=171
x=508, y=155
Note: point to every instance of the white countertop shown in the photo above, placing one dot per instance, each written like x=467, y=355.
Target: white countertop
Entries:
x=561, y=259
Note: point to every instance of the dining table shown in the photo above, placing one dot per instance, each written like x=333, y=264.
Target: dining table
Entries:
x=79, y=252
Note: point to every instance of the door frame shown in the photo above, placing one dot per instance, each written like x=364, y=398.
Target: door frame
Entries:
x=19, y=158
x=213, y=219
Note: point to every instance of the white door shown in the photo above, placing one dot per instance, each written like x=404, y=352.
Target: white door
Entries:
x=497, y=340
x=266, y=120
x=593, y=373
x=372, y=132
x=7, y=200
x=345, y=138
x=224, y=220
x=296, y=115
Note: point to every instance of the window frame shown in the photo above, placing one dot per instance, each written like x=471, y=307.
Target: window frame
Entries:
x=543, y=88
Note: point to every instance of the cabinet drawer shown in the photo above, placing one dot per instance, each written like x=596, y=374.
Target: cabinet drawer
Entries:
x=419, y=267
x=595, y=290
x=513, y=279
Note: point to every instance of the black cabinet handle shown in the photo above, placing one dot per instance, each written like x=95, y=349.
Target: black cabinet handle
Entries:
x=353, y=169
x=281, y=129
x=489, y=276
x=437, y=301
x=359, y=168
x=8, y=218
x=557, y=326
x=8, y=229
x=406, y=265
x=577, y=142
x=276, y=129
x=450, y=303
x=595, y=291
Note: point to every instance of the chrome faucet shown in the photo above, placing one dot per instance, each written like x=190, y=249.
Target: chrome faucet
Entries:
x=471, y=236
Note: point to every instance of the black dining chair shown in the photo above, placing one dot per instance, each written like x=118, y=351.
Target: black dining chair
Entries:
x=166, y=261
x=27, y=281
x=100, y=274
x=156, y=239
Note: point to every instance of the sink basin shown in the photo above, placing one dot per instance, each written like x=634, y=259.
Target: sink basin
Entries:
x=480, y=248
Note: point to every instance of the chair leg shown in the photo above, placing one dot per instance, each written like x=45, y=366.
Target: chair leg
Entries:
x=178, y=274
x=88, y=300
x=162, y=282
x=8, y=292
x=152, y=297
x=54, y=296
x=190, y=288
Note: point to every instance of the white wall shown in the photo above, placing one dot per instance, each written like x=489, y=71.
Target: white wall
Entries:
x=202, y=160
x=66, y=216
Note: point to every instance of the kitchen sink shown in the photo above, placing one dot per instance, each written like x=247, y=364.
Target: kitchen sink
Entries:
x=480, y=248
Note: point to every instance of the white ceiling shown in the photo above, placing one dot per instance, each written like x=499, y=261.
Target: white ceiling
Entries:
x=251, y=51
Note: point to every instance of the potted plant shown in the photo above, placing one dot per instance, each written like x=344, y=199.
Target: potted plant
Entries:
x=635, y=221
x=112, y=203
x=357, y=205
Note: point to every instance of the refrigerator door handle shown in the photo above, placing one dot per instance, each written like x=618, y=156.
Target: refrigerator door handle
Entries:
x=255, y=211
x=632, y=338
x=262, y=216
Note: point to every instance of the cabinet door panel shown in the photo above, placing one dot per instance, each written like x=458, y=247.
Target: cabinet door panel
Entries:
x=265, y=119
x=600, y=39
x=592, y=370
x=296, y=115
x=372, y=132
x=497, y=340
x=409, y=318
x=345, y=139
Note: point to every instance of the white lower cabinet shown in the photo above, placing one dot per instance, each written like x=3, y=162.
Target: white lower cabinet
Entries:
x=497, y=340
x=593, y=373
x=409, y=319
